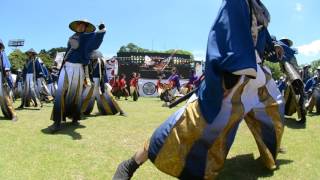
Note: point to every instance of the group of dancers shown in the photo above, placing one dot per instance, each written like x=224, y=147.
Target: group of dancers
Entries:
x=75, y=88
x=298, y=86
x=306, y=96
x=193, y=142
x=171, y=89
x=120, y=88
x=34, y=84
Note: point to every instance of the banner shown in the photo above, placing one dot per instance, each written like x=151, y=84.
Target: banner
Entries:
x=111, y=68
x=147, y=87
x=199, y=69
x=59, y=58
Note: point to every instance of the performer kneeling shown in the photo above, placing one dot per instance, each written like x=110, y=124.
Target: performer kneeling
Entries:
x=191, y=83
x=31, y=70
x=194, y=142
x=74, y=71
x=5, y=98
x=168, y=92
x=101, y=93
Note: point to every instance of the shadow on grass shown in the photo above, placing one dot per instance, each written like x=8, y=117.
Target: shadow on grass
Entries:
x=28, y=108
x=66, y=129
x=246, y=167
x=88, y=116
x=294, y=124
x=312, y=114
x=4, y=119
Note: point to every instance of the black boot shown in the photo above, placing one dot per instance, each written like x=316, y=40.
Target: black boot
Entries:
x=55, y=127
x=126, y=169
x=75, y=121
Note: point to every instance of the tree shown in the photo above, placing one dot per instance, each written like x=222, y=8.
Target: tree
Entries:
x=123, y=49
x=315, y=64
x=47, y=60
x=275, y=69
x=53, y=52
x=17, y=59
x=131, y=47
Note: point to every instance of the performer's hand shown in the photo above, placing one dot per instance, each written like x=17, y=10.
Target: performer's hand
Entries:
x=87, y=82
x=102, y=27
x=279, y=51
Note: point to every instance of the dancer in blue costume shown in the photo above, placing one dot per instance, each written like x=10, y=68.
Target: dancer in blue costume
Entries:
x=106, y=103
x=6, y=101
x=74, y=73
x=194, y=142
x=31, y=70
x=42, y=87
x=313, y=89
x=18, y=88
x=294, y=94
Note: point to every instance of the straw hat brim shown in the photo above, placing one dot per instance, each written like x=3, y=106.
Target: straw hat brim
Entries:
x=90, y=27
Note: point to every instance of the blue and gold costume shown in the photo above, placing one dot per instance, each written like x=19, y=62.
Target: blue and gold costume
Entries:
x=6, y=101
x=31, y=70
x=105, y=100
x=194, y=142
x=52, y=86
x=293, y=87
x=72, y=74
x=42, y=88
x=19, y=85
x=313, y=90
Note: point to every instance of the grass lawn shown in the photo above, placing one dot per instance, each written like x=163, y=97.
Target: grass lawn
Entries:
x=95, y=148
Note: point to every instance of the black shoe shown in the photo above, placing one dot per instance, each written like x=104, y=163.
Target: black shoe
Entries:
x=123, y=114
x=125, y=170
x=75, y=122
x=20, y=107
x=55, y=127
x=303, y=119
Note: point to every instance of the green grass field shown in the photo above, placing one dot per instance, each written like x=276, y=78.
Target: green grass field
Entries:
x=95, y=148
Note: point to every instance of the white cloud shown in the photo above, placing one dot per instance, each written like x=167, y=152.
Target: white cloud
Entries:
x=299, y=7
x=199, y=55
x=311, y=49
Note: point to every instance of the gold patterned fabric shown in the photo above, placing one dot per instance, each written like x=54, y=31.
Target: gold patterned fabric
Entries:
x=67, y=102
x=187, y=146
x=105, y=101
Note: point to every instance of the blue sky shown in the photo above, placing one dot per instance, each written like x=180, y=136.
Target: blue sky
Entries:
x=152, y=24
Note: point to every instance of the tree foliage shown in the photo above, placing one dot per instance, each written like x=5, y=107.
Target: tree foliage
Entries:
x=17, y=59
x=53, y=52
x=275, y=69
x=131, y=47
x=45, y=57
x=315, y=64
